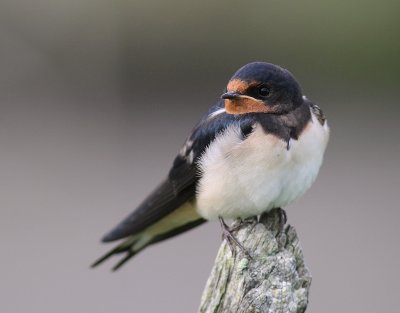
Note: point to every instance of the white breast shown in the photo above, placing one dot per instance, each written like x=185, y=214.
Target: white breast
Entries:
x=243, y=178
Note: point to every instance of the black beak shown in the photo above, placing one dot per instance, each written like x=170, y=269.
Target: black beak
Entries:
x=230, y=95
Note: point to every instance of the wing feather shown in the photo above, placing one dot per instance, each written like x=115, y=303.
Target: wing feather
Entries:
x=162, y=201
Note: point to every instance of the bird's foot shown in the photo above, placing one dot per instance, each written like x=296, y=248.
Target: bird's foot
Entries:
x=239, y=223
x=282, y=220
x=231, y=239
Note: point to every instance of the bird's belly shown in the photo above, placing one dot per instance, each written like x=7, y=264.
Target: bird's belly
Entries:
x=243, y=178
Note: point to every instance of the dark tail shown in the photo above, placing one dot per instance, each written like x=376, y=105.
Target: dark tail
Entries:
x=127, y=247
x=134, y=244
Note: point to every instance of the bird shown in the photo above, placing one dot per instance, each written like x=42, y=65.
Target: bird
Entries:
x=260, y=147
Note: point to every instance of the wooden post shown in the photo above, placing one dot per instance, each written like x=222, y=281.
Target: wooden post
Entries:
x=274, y=280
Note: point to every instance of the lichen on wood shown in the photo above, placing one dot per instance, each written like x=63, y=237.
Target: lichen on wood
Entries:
x=273, y=280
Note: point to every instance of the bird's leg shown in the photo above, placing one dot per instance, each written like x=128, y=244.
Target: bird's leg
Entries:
x=227, y=234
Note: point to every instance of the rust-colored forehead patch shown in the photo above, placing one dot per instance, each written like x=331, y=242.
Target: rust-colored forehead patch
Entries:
x=238, y=85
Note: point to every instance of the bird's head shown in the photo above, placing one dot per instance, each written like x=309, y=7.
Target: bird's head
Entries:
x=262, y=88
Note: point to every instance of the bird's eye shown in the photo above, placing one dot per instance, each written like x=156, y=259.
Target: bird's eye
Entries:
x=264, y=91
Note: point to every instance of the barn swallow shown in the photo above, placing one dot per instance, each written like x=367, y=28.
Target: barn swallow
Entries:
x=258, y=148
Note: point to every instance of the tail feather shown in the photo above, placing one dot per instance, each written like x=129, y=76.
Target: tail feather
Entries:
x=123, y=260
x=104, y=257
x=155, y=233
x=125, y=246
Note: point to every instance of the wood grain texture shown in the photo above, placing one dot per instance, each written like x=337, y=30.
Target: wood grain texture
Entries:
x=274, y=280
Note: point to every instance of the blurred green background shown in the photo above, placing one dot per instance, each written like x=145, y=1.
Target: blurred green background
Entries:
x=146, y=41
x=96, y=98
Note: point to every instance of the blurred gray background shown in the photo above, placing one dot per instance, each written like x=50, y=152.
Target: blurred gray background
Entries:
x=96, y=98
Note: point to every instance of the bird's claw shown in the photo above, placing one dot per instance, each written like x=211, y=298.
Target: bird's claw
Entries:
x=231, y=239
x=282, y=220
